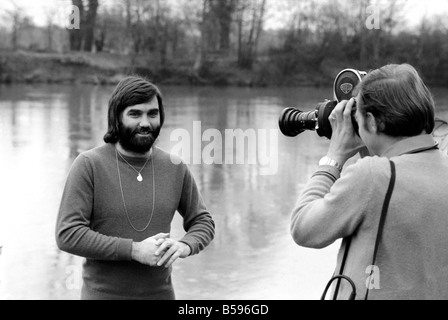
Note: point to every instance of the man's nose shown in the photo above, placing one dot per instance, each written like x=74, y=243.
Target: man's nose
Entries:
x=144, y=123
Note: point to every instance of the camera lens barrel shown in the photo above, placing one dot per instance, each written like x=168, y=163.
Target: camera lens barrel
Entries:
x=324, y=126
x=293, y=122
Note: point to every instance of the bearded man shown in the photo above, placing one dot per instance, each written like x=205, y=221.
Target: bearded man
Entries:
x=120, y=199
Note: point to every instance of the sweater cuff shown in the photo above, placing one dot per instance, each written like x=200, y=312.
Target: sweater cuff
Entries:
x=328, y=171
x=189, y=241
x=124, y=250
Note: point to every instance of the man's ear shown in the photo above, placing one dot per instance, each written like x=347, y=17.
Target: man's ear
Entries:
x=371, y=123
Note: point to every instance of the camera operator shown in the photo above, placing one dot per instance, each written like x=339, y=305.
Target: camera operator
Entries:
x=395, y=113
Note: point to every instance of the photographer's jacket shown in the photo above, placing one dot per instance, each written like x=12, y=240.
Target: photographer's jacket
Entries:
x=413, y=253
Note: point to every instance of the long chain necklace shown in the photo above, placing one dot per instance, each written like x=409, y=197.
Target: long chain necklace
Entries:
x=122, y=193
x=139, y=173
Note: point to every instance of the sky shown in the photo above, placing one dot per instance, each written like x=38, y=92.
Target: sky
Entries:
x=39, y=9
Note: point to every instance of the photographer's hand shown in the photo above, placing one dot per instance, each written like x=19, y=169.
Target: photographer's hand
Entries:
x=345, y=143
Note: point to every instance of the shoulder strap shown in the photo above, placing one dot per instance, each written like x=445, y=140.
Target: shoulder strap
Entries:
x=348, y=242
x=382, y=220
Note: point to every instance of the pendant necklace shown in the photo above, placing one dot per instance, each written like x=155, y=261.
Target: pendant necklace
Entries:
x=139, y=173
x=140, y=180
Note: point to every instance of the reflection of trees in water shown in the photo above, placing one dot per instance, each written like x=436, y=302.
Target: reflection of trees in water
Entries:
x=64, y=276
x=14, y=122
x=82, y=118
x=251, y=211
x=245, y=208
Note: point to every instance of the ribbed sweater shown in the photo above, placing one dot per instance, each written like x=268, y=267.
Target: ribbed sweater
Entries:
x=92, y=221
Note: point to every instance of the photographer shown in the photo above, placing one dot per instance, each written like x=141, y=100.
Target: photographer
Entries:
x=395, y=114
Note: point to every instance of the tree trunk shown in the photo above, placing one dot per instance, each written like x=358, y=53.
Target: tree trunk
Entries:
x=202, y=52
x=89, y=33
x=259, y=29
x=240, y=18
x=224, y=10
x=76, y=35
x=15, y=32
x=50, y=37
x=248, y=50
x=100, y=41
x=363, y=35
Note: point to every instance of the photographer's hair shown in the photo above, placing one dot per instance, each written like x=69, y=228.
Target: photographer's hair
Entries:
x=130, y=91
x=401, y=103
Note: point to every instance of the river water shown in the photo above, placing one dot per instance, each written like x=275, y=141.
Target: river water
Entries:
x=44, y=127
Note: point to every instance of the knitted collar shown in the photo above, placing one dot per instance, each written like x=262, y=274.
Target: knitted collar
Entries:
x=411, y=145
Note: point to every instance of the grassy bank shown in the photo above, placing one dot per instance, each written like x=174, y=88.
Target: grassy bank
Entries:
x=109, y=69
x=30, y=67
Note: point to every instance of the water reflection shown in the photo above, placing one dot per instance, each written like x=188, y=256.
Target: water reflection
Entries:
x=253, y=257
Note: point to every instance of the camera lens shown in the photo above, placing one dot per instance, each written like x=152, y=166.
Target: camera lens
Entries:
x=324, y=126
x=293, y=122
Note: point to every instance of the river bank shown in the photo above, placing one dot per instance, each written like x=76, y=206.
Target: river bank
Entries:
x=109, y=69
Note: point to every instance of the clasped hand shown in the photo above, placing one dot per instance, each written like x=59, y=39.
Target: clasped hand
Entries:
x=159, y=250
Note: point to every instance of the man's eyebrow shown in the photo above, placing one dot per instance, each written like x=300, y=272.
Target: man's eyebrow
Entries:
x=141, y=111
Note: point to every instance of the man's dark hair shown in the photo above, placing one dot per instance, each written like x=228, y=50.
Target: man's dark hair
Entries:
x=400, y=101
x=129, y=92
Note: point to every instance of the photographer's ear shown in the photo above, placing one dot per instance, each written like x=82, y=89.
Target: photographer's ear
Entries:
x=371, y=123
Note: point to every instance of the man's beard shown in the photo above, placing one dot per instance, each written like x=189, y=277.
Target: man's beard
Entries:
x=129, y=140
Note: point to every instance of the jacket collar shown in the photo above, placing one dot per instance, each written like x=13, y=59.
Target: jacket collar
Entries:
x=411, y=145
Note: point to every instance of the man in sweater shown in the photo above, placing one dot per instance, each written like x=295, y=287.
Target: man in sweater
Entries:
x=119, y=201
x=395, y=114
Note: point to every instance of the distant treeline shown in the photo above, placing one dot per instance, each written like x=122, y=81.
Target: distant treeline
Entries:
x=228, y=41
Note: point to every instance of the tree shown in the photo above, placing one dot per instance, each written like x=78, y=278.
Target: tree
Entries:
x=83, y=39
x=250, y=20
x=205, y=25
x=89, y=26
x=50, y=15
x=76, y=35
x=18, y=21
x=223, y=11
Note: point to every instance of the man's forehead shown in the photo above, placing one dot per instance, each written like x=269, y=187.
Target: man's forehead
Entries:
x=152, y=105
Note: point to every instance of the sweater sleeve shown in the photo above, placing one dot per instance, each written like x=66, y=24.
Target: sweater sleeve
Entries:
x=331, y=208
x=198, y=222
x=73, y=232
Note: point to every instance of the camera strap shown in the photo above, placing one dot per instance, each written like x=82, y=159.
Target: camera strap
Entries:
x=348, y=242
x=379, y=235
x=382, y=221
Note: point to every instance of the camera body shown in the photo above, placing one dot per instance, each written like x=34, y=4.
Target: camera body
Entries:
x=293, y=122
